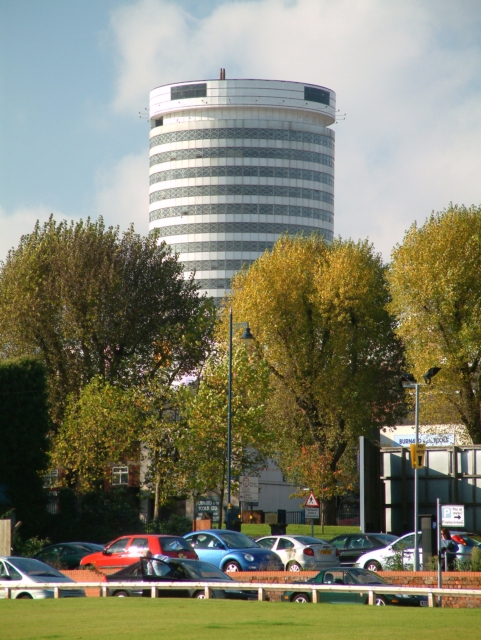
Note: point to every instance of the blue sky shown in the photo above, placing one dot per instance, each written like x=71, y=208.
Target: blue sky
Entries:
x=74, y=75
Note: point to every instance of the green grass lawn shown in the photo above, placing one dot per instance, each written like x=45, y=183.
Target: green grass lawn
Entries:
x=257, y=530
x=118, y=618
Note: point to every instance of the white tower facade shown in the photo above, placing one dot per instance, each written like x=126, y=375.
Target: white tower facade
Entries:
x=236, y=163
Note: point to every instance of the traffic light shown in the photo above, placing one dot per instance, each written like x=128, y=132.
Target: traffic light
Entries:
x=418, y=451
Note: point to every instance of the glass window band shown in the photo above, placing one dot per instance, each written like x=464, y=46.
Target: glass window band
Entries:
x=226, y=133
x=239, y=227
x=244, y=209
x=242, y=152
x=242, y=190
x=242, y=171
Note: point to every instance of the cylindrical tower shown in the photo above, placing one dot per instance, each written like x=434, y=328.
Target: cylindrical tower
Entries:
x=236, y=163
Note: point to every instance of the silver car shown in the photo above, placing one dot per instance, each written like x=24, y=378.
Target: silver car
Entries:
x=302, y=552
x=21, y=574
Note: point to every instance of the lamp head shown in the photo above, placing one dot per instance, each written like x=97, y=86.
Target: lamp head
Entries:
x=247, y=336
x=430, y=374
x=407, y=380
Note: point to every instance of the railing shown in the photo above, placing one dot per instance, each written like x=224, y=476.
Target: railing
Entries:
x=296, y=517
x=260, y=587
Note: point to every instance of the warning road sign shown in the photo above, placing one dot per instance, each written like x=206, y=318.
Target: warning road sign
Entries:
x=312, y=501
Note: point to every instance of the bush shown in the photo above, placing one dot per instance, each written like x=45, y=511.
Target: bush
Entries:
x=175, y=526
x=28, y=548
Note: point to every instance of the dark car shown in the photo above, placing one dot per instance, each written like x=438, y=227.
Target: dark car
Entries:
x=352, y=577
x=174, y=570
x=353, y=545
x=129, y=549
x=233, y=551
x=67, y=555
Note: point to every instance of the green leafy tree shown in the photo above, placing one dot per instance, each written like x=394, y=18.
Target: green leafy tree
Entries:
x=164, y=429
x=101, y=428
x=24, y=428
x=90, y=301
x=436, y=294
x=318, y=313
x=204, y=447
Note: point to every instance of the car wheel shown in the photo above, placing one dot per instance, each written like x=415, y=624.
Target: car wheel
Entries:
x=232, y=565
x=301, y=597
x=373, y=565
x=380, y=601
x=293, y=566
x=24, y=596
x=121, y=594
x=200, y=595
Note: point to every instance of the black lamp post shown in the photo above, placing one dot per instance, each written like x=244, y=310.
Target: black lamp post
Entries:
x=408, y=381
x=248, y=338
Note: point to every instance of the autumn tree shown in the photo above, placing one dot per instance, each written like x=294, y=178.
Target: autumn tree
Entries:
x=101, y=428
x=204, y=449
x=318, y=313
x=436, y=295
x=90, y=301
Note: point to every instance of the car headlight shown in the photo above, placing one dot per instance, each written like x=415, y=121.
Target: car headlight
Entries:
x=248, y=557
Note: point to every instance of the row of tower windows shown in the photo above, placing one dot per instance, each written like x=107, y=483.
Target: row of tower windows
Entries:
x=241, y=133
x=242, y=209
x=217, y=246
x=242, y=190
x=242, y=171
x=215, y=265
x=238, y=227
x=242, y=152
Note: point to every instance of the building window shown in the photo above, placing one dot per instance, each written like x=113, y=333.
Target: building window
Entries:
x=316, y=95
x=188, y=91
x=120, y=475
x=157, y=123
x=50, y=479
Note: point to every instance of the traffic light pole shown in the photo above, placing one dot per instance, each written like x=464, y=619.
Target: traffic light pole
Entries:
x=416, y=504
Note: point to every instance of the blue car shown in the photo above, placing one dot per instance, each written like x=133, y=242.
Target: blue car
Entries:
x=232, y=551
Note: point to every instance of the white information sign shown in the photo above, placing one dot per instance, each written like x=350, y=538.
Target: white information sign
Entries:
x=312, y=513
x=249, y=489
x=452, y=515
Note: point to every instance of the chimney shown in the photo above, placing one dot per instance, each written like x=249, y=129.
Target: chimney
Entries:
x=222, y=74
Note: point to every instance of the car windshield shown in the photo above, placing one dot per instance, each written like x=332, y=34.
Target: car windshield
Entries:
x=205, y=571
x=35, y=568
x=366, y=577
x=175, y=544
x=235, y=540
x=309, y=540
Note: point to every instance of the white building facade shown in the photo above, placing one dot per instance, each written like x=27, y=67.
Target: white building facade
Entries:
x=233, y=165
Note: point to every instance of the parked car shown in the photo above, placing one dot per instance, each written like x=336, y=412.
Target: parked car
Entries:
x=353, y=545
x=301, y=552
x=174, y=570
x=232, y=551
x=21, y=574
x=67, y=555
x=403, y=547
x=129, y=549
x=353, y=577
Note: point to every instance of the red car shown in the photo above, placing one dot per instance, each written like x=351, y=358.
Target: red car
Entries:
x=129, y=549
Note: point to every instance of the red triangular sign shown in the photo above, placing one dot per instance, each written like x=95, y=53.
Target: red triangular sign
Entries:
x=311, y=501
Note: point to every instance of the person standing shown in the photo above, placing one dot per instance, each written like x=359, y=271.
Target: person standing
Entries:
x=449, y=548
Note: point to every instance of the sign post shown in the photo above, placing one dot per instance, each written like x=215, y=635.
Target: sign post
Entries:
x=249, y=489
x=311, y=509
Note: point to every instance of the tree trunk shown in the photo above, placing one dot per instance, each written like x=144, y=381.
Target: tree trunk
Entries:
x=156, y=499
x=328, y=507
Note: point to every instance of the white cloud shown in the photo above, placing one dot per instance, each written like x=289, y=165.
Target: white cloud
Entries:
x=407, y=74
x=123, y=193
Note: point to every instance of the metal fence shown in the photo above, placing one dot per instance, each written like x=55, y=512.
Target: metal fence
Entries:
x=260, y=587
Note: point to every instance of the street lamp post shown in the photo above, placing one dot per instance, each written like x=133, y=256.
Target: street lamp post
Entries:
x=409, y=382
x=248, y=338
